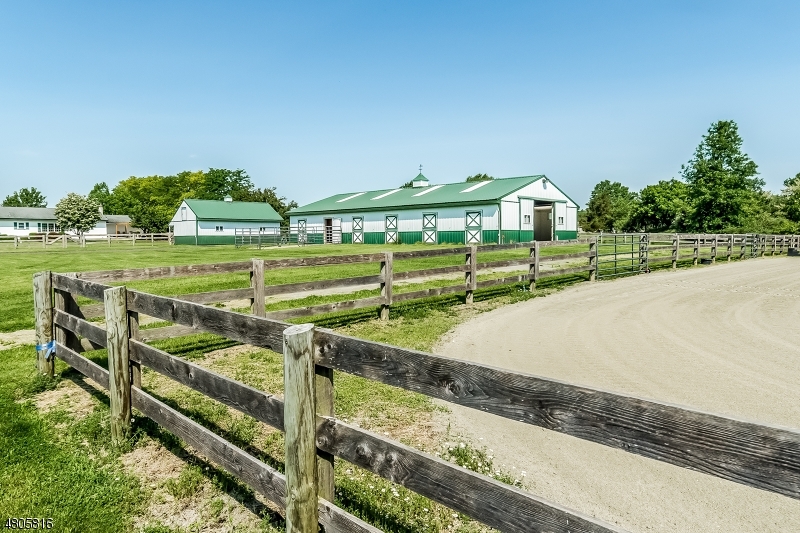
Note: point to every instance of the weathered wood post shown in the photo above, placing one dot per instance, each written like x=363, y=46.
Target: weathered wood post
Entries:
x=300, y=427
x=133, y=333
x=387, y=274
x=119, y=372
x=258, y=301
x=714, y=249
x=730, y=247
x=592, y=259
x=675, y=241
x=471, y=272
x=108, y=238
x=65, y=301
x=44, y=240
x=43, y=307
x=324, y=395
x=152, y=240
x=696, y=256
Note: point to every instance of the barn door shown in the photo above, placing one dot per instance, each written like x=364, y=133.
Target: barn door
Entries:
x=429, y=228
x=391, y=229
x=473, y=227
x=358, y=230
x=301, y=231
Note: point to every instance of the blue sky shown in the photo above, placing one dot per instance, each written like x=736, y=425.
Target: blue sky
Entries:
x=323, y=98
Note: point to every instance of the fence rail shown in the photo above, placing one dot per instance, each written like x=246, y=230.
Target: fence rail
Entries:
x=62, y=240
x=757, y=455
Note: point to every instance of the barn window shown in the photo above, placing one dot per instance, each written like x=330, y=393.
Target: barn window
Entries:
x=560, y=220
x=526, y=219
x=220, y=228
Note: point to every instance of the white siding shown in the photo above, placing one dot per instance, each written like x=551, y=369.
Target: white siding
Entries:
x=7, y=227
x=572, y=218
x=209, y=227
x=183, y=228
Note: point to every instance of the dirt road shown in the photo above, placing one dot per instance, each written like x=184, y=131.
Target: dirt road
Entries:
x=724, y=339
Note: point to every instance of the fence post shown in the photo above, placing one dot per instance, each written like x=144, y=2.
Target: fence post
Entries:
x=534, y=265
x=387, y=273
x=324, y=394
x=119, y=372
x=730, y=247
x=258, y=301
x=592, y=260
x=714, y=249
x=133, y=333
x=471, y=272
x=300, y=426
x=43, y=305
x=44, y=241
x=64, y=301
x=675, y=241
x=696, y=257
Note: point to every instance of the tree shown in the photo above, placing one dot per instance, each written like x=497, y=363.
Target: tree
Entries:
x=77, y=213
x=102, y=195
x=24, y=197
x=479, y=177
x=661, y=207
x=722, y=180
x=610, y=207
x=269, y=196
x=150, y=218
x=791, y=198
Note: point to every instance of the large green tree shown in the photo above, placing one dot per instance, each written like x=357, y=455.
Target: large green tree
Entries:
x=25, y=197
x=268, y=195
x=661, y=207
x=77, y=213
x=791, y=198
x=610, y=207
x=723, y=181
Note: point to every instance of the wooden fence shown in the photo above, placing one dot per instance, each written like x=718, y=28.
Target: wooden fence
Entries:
x=761, y=456
x=61, y=240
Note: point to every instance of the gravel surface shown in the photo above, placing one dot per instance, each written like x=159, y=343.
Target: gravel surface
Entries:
x=724, y=339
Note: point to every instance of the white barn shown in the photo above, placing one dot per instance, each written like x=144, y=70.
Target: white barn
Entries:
x=216, y=221
x=504, y=210
x=22, y=221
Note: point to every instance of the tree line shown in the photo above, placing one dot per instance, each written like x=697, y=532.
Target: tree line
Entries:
x=152, y=201
x=720, y=191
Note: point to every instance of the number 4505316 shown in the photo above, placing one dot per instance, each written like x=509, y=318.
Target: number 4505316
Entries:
x=29, y=523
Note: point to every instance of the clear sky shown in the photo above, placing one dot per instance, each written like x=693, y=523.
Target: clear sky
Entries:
x=331, y=97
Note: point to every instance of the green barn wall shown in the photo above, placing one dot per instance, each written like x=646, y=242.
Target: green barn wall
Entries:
x=490, y=236
x=451, y=237
x=347, y=238
x=410, y=237
x=564, y=235
x=374, y=237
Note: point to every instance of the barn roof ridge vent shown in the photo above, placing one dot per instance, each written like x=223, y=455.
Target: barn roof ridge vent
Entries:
x=350, y=197
x=477, y=186
x=429, y=189
x=384, y=195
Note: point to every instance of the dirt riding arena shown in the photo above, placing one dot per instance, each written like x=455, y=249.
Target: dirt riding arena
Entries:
x=723, y=339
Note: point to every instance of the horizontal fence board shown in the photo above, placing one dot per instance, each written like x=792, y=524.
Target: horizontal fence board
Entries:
x=561, y=257
x=411, y=274
x=308, y=286
x=253, y=402
x=325, y=308
x=425, y=293
x=413, y=254
x=564, y=271
x=525, y=261
x=498, y=505
x=92, y=332
x=760, y=456
x=217, y=296
x=86, y=367
x=248, y=329
x=321, y=260
x=87, y=289
x=136, y=274
x=501, y=281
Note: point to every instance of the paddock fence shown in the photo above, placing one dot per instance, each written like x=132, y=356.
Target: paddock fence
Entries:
x=757, y=455
x=65, y=240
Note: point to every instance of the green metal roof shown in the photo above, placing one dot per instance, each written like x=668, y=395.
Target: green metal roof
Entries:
x=221, y=210
x=420, y=177
x=451, y=194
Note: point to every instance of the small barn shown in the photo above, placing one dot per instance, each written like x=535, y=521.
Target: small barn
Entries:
x=503, y=210
x=217, y=221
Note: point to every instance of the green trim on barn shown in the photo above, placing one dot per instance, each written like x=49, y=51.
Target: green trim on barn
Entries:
x=347, y=238
x=564, y=235
x=450, y=237
x=511, y=236
x=409, y=237
x=374, y=237
x=489, y=236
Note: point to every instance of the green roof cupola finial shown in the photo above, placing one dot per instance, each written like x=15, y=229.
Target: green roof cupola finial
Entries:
x=420, y=180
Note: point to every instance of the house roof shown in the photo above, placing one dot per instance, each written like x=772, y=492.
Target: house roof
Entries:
x=451, y=194
x=221, y=210
x=48, y=213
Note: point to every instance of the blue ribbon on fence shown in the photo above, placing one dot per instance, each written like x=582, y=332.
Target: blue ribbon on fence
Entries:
x=49, y=348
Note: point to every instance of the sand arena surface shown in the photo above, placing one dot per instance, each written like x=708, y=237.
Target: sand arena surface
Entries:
x=723, y=339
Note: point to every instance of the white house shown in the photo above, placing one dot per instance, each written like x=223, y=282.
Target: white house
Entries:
x=22, y=221
x=504, y=210
x=216, y=221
